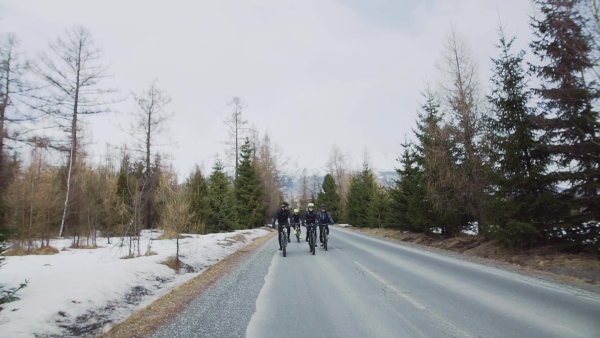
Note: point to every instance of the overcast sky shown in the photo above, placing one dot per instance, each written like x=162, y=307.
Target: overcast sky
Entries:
x=312, y=73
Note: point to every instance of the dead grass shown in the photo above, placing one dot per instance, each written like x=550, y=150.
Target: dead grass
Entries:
x=85, y=247
x=171, y=234
x=580, y=267
x=45, y=250
x=241, y=237
x=144, y=322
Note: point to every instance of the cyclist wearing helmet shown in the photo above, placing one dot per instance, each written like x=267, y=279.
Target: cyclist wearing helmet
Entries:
x=310, y=217
x=296, y=222
x=282, y=216
x=324, y=219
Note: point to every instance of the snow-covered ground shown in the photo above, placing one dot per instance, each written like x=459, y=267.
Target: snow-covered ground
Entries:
x=80, y=291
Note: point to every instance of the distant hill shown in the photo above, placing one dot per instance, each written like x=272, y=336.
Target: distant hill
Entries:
x=292, y=183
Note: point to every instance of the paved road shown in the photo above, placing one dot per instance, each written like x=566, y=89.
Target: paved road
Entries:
x=367, y=287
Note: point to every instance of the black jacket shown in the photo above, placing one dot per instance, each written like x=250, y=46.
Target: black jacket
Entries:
x=282, y=216
x=310, y=217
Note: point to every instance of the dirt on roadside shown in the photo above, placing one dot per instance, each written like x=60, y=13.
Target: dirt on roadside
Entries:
x=581, y=267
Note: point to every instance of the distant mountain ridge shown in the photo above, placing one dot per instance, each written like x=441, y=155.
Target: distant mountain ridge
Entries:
x=292, y=183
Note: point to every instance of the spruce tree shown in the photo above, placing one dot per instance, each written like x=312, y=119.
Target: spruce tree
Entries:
x=248, y=193
x=413, y=210
x=330, y=197
x=433, y=174
x=197, y=191
x=360, y=197
x=521, y=202
x=570, y=118
x=221, y=201
x=379, y=213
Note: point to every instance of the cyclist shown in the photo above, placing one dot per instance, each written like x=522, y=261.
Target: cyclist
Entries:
x=282, y=216
x=323, y=220
x=310, y=218
x=295, y=218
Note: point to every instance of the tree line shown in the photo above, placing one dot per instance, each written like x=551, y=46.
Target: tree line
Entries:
x=519, y=164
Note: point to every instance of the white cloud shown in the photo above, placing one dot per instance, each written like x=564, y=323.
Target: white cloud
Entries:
x=313, y=73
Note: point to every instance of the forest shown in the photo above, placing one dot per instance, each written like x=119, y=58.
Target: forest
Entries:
x=517, y=161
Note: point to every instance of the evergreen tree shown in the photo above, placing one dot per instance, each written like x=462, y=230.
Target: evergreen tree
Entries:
x=221, y=201
x=433, y=174
x=569, y=96
x=360, y=197
x=413, y=210
x=197, y=191
x=522, y=199
x=379, y=213
x=330, y=197
x=248, y=193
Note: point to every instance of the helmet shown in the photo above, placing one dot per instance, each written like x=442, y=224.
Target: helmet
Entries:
x=285, y=204
x=296, y=211
x=310, y=205
x=323, y=206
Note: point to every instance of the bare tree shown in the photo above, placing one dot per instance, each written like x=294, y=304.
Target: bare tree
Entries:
x=460, y=87
x=304, y=189
x=13, y=89
x=235, y=124
x=268, y=171
x=71, y=72
x=150, y=120
x=338, y=166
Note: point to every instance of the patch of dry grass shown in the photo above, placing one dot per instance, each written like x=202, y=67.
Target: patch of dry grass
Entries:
x=85, y=247
x=171, y=234
x=144, y=322
x=45, y=250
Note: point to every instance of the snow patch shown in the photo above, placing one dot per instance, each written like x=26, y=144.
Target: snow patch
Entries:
x=82, y=292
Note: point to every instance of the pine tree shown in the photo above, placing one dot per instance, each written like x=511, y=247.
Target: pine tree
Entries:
x=360, y=197
x=435, y=157
x=413, y=210
x=197, y=193
x=248, y=193
x=379, y=213
x=330, y=197
x=221, y=201
x=521, y=204
x=569, y=95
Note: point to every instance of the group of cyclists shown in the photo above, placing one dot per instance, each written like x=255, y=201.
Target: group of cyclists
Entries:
x=311, y=218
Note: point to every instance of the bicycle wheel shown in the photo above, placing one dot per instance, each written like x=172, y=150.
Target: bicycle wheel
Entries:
x=314, y=244
x=284, y=243
x=298, y=235
x=325, y=241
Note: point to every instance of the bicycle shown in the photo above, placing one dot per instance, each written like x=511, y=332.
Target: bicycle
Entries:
x=325, y=236
x=312, y=237
x=283, y=239
x=297, y=231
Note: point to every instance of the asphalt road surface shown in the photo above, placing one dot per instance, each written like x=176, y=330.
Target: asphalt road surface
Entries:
x=368, y=287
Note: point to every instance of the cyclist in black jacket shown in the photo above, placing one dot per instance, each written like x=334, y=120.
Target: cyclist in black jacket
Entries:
x=310, y=218
x=324, y=219
x=282, y=216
